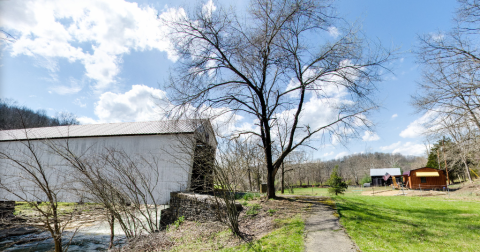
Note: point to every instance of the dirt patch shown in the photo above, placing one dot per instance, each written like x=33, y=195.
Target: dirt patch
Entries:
x=404, y=193
x=468, y=215
x=212, y=236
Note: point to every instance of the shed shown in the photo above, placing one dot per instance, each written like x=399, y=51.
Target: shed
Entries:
x=425, y=178
x=176, y=148
x=383, y=176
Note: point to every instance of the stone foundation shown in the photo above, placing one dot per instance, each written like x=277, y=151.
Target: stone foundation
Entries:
x=193, y=207
x=6, y=209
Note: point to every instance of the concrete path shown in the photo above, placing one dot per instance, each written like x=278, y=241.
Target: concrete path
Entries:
x=323, y=230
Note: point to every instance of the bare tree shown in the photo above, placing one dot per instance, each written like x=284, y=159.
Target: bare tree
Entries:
x=270, y=63
x=450, y=87
x=449, y=92
x=124, y=184
x=26, y=175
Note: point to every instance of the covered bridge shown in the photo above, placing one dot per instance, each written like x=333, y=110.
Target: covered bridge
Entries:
x=383, y=176
x=180, y=152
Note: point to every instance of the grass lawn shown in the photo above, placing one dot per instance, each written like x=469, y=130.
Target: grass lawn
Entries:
x=315, y=191
x=289, y=237
x=410, y=223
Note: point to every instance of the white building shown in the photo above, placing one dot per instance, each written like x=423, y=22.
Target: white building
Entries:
x=164, y=152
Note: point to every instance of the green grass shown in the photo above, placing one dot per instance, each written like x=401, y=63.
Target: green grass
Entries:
x=315, y=191
x=253, y=209
x=22, y=207
x=410, y=223
x=289, y=237
x=306, y=191
x=250, y=196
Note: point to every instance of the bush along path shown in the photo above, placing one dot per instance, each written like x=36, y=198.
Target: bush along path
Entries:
x=323, y=231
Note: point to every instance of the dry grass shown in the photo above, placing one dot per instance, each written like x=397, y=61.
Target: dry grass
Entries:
x=210, y=236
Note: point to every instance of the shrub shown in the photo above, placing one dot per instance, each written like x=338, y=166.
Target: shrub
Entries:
x=250, y=196
x=336, y=183
x=366, y=179
x=271, y=211
x=179, y=221
x=253, y=209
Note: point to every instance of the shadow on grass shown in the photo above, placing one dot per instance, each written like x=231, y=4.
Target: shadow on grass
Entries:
x=399, y=222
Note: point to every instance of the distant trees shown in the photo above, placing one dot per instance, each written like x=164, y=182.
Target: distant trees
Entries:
x=457, y=161
x=13, y=116
x=299, y=169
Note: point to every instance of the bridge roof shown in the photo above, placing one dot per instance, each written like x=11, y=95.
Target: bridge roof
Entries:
x=107, y=129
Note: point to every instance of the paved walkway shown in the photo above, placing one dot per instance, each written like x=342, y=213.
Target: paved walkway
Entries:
x=323, y=230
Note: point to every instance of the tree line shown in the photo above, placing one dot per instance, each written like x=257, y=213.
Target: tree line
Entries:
x=14, y=116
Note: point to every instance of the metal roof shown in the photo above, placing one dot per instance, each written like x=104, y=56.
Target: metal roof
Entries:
x=427, y=174
x=108, y=129
x=384, y=171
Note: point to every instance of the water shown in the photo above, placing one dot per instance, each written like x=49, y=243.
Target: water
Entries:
x=81, y=242
x=90, y=238
x=94, y=237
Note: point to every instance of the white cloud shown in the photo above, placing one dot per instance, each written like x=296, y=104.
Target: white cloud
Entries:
x=141, y=103
x=437, y=36
x=394, y=116
x=86, y=120
x=109, y=29
x=79, y=102
x=73, y=88
x=417, y=128
x=341, y=154
x=408, y=148
x=370, y=136
x=333, y=31
x=325, y=99
x=391, y=146
x=208, y=8
x=328, y=154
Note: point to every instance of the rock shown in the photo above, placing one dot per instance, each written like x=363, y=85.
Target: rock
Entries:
x=16, y=231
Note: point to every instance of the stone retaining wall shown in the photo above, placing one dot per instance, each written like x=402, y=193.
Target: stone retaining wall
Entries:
x=6, y=209
x=194, y=207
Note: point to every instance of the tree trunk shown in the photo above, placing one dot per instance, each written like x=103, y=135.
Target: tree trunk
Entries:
x=270, y=184
x=112, y=231
x=468, y=171
x=258, y=178
x=283, y=178
x=58, y=243
x=250, y=178
x=300, y=178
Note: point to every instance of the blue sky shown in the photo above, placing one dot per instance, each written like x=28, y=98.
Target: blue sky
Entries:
x=109, y=66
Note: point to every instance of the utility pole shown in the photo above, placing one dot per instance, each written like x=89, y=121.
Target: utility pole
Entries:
x=438, y=159
x=445, y=157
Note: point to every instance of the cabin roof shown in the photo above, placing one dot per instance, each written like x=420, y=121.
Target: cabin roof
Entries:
x=384, y=171
x=407, y=173
x=107, y=129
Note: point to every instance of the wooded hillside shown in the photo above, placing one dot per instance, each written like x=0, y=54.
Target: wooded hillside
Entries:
x=14, y=116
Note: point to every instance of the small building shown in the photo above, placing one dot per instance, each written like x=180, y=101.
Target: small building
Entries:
x=383, y=176
x=425, y=178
